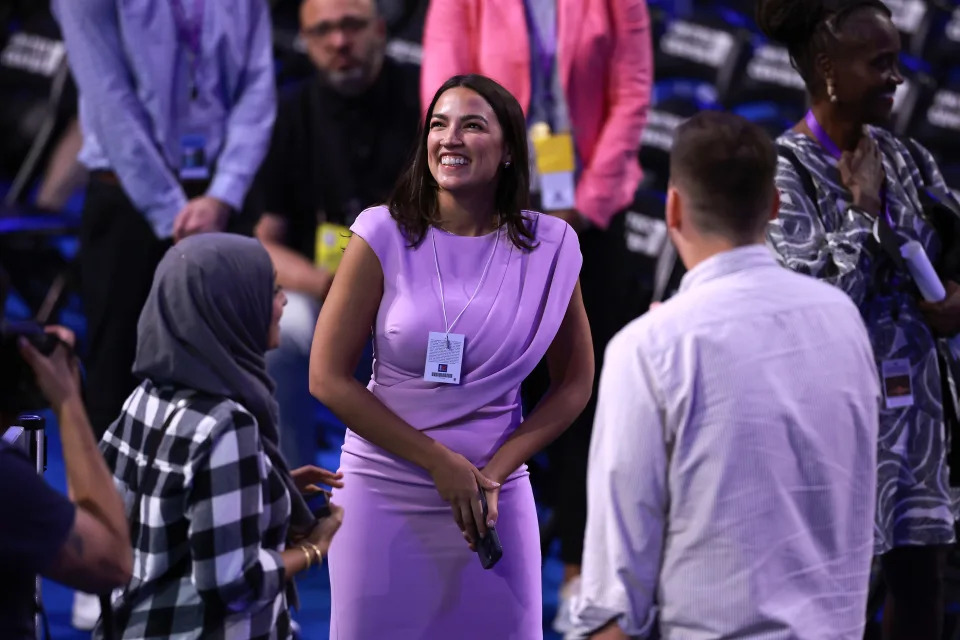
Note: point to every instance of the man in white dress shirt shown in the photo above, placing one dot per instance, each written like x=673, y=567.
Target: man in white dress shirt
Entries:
x=732, y=471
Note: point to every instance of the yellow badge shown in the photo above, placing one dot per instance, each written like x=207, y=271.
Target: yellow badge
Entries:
x=555, y=166
x=554, y=153
x=330, y=242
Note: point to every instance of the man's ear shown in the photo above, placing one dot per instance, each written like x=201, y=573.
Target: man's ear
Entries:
x=672, y=212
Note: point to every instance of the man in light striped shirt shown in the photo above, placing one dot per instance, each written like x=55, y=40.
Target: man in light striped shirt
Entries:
x=733, y=462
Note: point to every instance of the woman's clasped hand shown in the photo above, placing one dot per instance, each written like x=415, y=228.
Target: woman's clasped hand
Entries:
x=862, y=173
x=459, y=482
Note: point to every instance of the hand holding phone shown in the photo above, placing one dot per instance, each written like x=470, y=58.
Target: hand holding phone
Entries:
x=319, y=504
x=488, y=547
x=309, y=479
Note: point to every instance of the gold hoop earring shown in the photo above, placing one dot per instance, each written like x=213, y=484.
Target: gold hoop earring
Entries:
x=831, y=92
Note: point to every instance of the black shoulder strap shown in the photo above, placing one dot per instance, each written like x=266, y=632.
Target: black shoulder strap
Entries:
x=913, y=148
x=805, y=178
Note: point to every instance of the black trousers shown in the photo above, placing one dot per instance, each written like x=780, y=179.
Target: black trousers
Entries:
x=119, y=253
x=617, y=284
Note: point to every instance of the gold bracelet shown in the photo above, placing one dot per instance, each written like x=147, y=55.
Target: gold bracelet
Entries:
x=316, y=550
x=306, y=553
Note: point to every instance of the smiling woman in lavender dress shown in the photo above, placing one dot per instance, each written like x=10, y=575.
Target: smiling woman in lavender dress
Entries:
x=456, y=254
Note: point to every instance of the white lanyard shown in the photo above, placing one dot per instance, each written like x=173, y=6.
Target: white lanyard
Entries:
x=443, y=306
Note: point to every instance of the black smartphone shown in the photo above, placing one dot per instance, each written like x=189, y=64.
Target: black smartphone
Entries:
x=488, y=547
x=318, y=504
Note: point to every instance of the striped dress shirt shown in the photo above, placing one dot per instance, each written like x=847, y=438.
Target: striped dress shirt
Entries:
x=733, y=463
x=136, y=78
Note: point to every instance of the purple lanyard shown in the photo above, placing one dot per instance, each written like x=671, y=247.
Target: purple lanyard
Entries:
x=188, y=32
x=834, y=151
x=544, y=56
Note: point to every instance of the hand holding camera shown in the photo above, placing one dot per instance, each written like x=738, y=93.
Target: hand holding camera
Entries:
x=53, y=362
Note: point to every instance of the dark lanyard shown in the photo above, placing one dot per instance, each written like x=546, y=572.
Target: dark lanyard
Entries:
x=188, y=33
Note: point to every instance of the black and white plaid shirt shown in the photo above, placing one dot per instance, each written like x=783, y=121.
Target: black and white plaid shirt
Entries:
x=211, y=524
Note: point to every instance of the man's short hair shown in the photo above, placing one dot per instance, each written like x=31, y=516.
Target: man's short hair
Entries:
x=725, y=167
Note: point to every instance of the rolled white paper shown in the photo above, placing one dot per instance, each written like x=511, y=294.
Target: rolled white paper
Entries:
x=922, y=271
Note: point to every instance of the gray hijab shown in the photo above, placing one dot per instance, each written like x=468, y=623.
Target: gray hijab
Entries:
x=204, y=327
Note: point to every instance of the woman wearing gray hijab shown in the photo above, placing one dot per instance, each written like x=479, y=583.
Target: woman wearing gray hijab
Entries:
x=218, y=523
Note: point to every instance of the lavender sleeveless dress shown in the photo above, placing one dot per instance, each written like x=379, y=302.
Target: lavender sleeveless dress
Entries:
x=399, y=567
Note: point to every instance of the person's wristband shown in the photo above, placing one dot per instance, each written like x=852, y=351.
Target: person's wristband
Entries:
x=306, y=554
x=317, y=552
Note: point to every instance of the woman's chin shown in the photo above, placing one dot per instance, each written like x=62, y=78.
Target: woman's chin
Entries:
x=452, y=184
x=880, y=115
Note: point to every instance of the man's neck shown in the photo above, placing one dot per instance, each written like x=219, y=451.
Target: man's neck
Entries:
x=844, y=130
x=706, y=248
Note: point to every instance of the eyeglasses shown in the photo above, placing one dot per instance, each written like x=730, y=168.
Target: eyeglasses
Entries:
x=349, y=25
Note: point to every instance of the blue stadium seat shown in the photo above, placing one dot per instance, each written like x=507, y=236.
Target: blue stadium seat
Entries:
x=918, y=86
x=772, y=117
x=657, y=140
x=936, y=124
x=675, y=8
x=736, y=13
x=32, y=70
x=644, y=225
x=673, y=102
x=746, y=8
x=405, y=20
x=660, y=17
x=645, y=236
x=767, y=76
x=943, y=46
x=650, y=202
x=916, y=20
x=700, y=48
